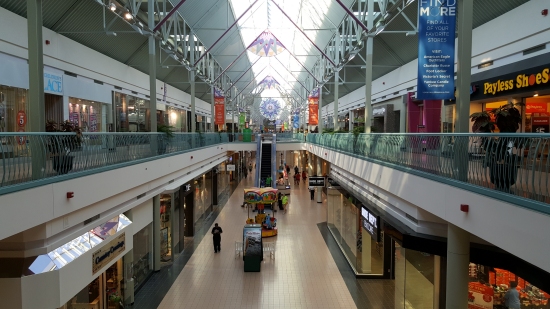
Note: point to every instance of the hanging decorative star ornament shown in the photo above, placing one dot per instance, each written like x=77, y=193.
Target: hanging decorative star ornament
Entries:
x=269, y=82
x=266, y=45
x=270, y=108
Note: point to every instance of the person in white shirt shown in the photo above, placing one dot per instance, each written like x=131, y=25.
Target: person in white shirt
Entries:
x=312, y=192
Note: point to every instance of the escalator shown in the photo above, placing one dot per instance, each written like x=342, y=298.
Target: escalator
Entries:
x=265, y=166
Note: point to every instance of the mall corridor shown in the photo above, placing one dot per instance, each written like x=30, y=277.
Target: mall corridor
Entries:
x=303, y=274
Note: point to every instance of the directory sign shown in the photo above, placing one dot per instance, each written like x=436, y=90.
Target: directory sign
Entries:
x=436, y=49
x=315, y=181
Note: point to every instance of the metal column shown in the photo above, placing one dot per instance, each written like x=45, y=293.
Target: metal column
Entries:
x=152, y=69
x=350, y=120
x=213, y=118
x=320, y=124
x=464, y=65
x=368, y=67
x=336, y=82
x=319, y=173
x=37, y=114
x=192, y=82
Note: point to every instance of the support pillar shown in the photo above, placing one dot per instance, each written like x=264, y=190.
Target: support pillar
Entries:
x=320, y=124
x=36, y=118
x=458, y=259
x=156, y=233
x=192, y=82
x=464, y=65
x=350, y=120
x=369, y=47
x=212, y=111
x=319, y=173
x=152, y=77
x=463, y=79
x=336, y=86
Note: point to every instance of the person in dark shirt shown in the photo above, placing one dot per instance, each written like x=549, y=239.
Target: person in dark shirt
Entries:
x=217, y=236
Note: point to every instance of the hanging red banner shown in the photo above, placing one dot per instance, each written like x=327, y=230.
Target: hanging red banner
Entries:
x=313, y=111
x=219, y=109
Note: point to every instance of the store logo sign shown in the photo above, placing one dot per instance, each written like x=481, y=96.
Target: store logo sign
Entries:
x=108, y=252
x=53, y=83
x=371, y=223
x=521, y=81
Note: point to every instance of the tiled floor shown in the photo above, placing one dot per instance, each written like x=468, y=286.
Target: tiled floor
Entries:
x=303, y=275
x=309, y=271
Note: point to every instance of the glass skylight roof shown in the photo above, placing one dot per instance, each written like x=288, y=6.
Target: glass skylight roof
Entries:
x=269, y=15
x=68, y=252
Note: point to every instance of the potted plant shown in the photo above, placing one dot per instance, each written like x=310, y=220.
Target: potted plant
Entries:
x=164, y=139
x=60, y=146
x=499, y=158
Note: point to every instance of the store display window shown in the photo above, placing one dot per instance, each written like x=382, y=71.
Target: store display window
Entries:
x=89, y=115
x=13, y=109
x=347, y=225
x=177, y=118
x=202, y=199
x=488, y=287
x=537, y=114
x=143, y=247
x=132, y=113
x=165, y=227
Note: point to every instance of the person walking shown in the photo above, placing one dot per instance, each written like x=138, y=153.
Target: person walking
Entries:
x=217, y=237
x=285, y=203
x=311, y=192
x=296, y=171
x=297, y=176
x=511, y=298
x=304, y=176
x=280, y=201
x=288, y=169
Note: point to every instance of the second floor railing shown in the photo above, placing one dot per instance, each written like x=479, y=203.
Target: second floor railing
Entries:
x=509, y=164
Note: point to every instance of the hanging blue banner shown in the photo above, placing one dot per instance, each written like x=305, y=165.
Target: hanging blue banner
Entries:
x=296, y=122
x=436, y=49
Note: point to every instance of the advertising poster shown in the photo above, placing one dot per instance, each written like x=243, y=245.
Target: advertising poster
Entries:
x=164, y=241
x=73, y=117
x=540, y=123
x=93, y=123
x=296, y=121
x=219, y=107
x=436, y=49
x=480, y=296
x=252, y=240
x=313, y=111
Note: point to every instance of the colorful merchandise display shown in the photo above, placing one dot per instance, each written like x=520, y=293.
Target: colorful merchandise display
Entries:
x=488, y=286
x=260, y=197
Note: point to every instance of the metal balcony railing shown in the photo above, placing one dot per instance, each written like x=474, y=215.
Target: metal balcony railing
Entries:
x=507, y=164
x=33, y=159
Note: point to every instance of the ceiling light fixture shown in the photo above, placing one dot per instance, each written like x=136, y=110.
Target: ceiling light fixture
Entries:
x=112, y=7
x=128, y=16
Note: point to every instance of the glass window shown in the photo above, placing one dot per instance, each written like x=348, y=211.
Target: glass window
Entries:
x=89, y=115
x=13, y=104
x=142, y=255
x=132, y=113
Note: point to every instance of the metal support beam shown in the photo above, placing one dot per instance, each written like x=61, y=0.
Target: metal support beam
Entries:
x=152, y=72
x=336, y=86
x=303, y=33
x=350, y=13
x=226, y=31
x=369, y=50
x=165, y=19
x=36, y=118
x=193, y=121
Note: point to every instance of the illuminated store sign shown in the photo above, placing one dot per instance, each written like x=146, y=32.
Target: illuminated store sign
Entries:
x=107, y=253
x=371, y=223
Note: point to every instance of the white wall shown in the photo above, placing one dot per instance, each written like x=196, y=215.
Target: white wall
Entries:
x=520, y=231
x=55, y=288
x=502, y=40
x=94, y=194
x=142, y=215
x=67, y=55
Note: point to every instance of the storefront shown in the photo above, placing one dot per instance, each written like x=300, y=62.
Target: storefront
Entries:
x=389, y=116
x=89, y=115
x=132, y=113
x=526, y=82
